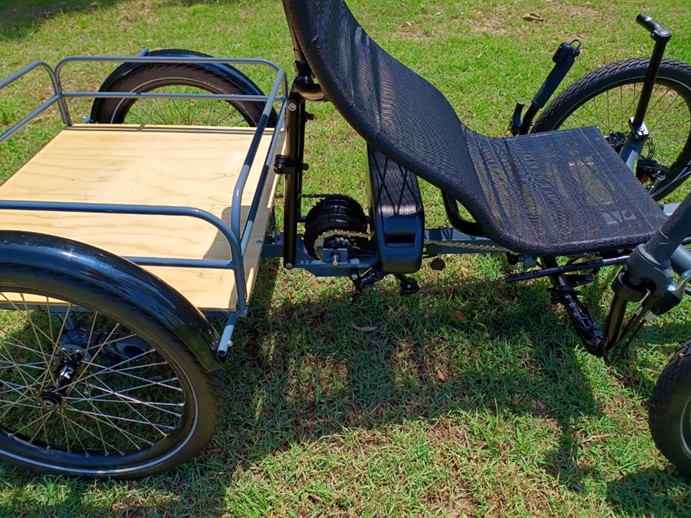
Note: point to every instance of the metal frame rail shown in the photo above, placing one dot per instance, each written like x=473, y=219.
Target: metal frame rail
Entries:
x=236, y=237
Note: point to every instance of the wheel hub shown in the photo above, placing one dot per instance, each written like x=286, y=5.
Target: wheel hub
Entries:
x=66, y=365
x=50, y=400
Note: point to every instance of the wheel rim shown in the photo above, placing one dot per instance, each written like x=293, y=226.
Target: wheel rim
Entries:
x=80, y=392
x=668, y=120
x=187, y=112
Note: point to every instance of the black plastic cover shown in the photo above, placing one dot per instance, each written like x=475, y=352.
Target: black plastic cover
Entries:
x=398, y=219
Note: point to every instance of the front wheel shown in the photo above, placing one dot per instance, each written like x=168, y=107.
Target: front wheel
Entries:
x=608, y=98
x=92, y=386
x=670, y=411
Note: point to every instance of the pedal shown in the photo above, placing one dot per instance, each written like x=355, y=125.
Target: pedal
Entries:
x=371, y=277
x=408, y=286
x=437, y=264
x=398, y=220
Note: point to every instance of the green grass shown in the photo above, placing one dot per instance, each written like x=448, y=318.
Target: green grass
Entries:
x=468, y=401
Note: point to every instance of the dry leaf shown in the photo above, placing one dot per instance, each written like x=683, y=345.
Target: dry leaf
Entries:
x=364, y=329
x=440, y=374
x=532, y=17
x=460, y=316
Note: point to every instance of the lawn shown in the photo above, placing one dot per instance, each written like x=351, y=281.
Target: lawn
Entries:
x=461, y=400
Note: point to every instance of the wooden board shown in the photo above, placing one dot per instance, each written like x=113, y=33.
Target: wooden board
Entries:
x=194, y=167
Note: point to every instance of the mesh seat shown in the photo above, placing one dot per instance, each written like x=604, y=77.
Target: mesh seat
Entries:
x=545, y=194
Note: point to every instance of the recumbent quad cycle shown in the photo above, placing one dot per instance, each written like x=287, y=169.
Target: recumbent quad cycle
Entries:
x=108, y=363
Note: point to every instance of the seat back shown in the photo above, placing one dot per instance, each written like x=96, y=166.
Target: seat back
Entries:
x=396, y=111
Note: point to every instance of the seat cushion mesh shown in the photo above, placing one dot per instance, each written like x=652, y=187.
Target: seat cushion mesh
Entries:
x=560, y=192
x=545, y=194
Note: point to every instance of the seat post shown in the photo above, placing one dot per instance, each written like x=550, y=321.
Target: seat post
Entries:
x=293, y=166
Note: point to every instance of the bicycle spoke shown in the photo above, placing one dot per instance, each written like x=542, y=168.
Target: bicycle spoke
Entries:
x=105, y=443
x=149, y=384
x=105, y=419
x=84, y=391
x=119, y=368
x=123, y=398
x=129, y=420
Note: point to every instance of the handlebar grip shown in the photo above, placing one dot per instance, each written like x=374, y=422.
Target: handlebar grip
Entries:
x=667, y=239
x=657, y=31
x=646, y=21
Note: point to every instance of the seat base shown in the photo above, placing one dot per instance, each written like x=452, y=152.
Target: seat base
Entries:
x=558, y=193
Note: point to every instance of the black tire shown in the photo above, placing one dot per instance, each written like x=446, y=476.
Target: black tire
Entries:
x=670, y=411
x=176, y=78
x=93, y=387
x=607, y=98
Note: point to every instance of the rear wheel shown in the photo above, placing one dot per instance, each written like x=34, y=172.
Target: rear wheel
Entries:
x=608, y=98
x=179, y=79
x=91, y=386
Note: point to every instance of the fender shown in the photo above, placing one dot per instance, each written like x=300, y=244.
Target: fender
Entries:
x=119, y=276
x=230, y=73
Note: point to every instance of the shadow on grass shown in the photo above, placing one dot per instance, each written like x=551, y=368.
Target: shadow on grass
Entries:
x=18, y=18
x=650, y=493
x=69, y=498
x=307, y=365
x=304, y=370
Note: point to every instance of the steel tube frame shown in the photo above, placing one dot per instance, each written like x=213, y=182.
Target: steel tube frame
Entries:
x=236, y=237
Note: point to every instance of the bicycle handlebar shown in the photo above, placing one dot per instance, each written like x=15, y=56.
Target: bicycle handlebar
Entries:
x=657, y=31
x=678, y=225
x=662, y=244
x=650, y=263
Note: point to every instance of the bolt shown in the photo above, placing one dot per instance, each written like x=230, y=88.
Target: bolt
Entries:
x=292, y=107
x=288, y=266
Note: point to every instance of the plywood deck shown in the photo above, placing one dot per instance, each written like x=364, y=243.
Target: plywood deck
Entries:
x=193, y=167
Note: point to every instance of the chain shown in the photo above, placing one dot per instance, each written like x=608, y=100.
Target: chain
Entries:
x=447, y=244
x=468, y=246
x=319, y=243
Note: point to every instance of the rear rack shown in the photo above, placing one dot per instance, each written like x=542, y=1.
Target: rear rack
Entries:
x=230, y=227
